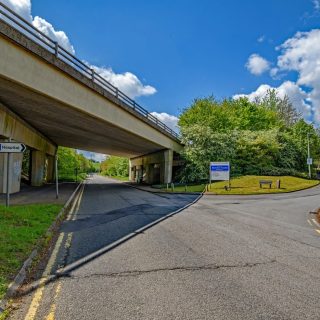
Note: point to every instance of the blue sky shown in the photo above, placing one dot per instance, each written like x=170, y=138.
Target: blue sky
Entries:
x=185, y=49
x=179, y=50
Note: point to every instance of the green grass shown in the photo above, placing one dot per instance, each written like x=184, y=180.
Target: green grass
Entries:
x=70, y=177
x=21, y=227
x=119, y=178
x=190, y=188
x=250, y=185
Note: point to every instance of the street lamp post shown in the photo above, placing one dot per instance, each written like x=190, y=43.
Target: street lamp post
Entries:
x=309, y=161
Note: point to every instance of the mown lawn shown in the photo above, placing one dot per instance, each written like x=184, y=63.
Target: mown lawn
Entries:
x=250, y=185
x=188, y=188
x=70, y=177
x=120, y=178
x=21, y=227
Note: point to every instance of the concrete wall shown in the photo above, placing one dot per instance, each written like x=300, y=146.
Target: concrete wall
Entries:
x=152, y=168
x=11, y=126
x=15, y=172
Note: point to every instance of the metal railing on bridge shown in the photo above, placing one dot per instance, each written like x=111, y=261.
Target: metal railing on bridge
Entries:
x=31, y=32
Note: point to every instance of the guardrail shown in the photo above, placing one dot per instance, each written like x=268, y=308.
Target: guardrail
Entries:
x=52, y=46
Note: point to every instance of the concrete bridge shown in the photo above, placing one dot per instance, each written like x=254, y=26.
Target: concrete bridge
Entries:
x=49, y=98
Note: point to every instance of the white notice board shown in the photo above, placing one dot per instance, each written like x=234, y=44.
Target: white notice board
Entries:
x=219, y=171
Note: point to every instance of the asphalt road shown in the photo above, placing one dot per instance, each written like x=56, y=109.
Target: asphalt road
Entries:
x=221, y=258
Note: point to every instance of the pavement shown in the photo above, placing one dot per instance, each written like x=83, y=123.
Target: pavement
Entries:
x=43, y=194
x=224, y=257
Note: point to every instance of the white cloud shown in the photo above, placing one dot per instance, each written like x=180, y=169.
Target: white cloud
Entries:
x=92, y=155
x=298, y=97
x=21, y=7
x=301, y=54
x=257, y=65
x=59, y=36
x=261, y=38
x=126, y=82
x=168, y=119
x=316, y=4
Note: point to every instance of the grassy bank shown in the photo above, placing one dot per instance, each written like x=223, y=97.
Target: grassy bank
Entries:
x=21, y=227
x=187, y=188
x=70, y=177
x=250, y=185
x=120, y=178
x=247, y=185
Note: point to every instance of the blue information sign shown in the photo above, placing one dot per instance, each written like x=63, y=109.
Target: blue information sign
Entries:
x=219, y=171
x=219, y=168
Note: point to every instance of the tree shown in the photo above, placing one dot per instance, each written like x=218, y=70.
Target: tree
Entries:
x=267, y=136
x=282, y=106
x=115, y=166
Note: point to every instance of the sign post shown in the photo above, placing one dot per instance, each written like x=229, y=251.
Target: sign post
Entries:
x=10, y=147
x=220, y=171
x=57, y=178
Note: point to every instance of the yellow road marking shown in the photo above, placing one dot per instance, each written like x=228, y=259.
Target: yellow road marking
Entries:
x=316, y=222
x=53, y=307
x=68, y=241
x=318, y=230
x=39, y=292
x=35, y=303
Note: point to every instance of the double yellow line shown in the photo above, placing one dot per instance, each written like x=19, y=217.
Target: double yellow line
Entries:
x=36, y=300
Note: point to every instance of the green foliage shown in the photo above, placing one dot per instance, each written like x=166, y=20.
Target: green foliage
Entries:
x=72, y=165
x=21, y=229
x=115, y=167
x=267, y=136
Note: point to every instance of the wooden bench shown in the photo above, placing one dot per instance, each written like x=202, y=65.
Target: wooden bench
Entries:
x=262, y=182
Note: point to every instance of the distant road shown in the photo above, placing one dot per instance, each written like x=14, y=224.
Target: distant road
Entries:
x=222, y=258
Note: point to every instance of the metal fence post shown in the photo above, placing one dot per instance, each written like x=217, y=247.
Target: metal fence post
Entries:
x=56, y=49
x=8, y=178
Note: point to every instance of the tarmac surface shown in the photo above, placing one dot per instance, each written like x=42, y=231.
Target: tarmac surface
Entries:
x=234, y=257
x=44, y=194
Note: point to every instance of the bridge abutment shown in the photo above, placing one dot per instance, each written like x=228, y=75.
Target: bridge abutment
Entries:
x=14, y=172
x=50, y=168
x=38, y=159
x=152, y=168
x=13, y=127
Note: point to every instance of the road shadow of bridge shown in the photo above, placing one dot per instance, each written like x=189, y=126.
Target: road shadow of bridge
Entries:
x=93, y=232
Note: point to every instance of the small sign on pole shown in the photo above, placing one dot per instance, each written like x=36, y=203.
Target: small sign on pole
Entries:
x=309, y=161
x=10, y=147
x=220, y=171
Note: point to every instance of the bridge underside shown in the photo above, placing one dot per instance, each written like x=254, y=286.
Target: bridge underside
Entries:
x=68, y=127
x=46, y=103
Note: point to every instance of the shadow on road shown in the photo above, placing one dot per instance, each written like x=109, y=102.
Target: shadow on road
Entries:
x=109, y=215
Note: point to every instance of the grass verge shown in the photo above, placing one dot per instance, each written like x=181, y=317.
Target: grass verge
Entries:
x=118, y=178
x=247, y=185
x=21, y=228
x=66, y=177
x=187, y=188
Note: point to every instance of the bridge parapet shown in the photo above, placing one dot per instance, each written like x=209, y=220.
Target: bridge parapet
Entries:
x=26, y=35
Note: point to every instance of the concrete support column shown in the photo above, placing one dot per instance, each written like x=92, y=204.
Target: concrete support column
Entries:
x=50, y=174
x=38, y=168
x=14, y=172
x=168, y=162
x=130, y=170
